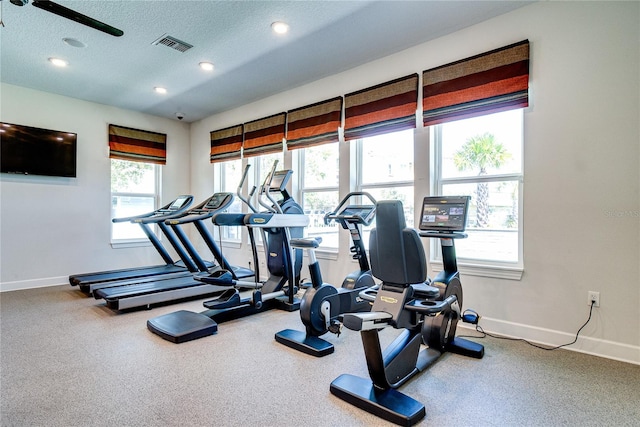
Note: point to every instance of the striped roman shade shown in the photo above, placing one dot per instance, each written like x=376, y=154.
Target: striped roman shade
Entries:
x=226, y=144
x=387, y=107
x=137, y=145
x=314, y=124
x=487, y=83
x=264, y=136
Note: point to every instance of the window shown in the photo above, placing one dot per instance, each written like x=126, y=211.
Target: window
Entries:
x=482, y=158
x=134, y=190
x=319, y=177
x=385, y=170
x=229, y=178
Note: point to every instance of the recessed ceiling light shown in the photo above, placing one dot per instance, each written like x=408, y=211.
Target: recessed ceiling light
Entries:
x=280, y=27
x=58, y=62
x=159, y=89
x=73, y=42
x=207, y=66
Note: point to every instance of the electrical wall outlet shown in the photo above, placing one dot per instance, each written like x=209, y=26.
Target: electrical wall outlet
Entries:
x=594, y=297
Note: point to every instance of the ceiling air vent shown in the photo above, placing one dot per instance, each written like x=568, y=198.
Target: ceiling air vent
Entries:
x=173, y=43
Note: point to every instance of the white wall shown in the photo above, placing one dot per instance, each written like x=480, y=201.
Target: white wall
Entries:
x=582, y=161
x=54, y=227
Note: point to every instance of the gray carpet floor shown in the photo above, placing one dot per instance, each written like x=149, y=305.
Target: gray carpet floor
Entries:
x=67, y=360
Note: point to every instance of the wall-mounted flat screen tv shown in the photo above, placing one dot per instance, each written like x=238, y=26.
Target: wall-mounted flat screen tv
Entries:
x=32, y=151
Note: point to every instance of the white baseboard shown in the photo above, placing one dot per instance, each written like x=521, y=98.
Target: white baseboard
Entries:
x=33, y=283
x=547, y=337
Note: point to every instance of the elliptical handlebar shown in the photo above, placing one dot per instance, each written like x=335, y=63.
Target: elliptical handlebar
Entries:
x=246, y=200
x=264, y=189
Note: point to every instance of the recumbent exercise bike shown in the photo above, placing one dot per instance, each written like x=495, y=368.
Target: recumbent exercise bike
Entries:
x=426, y=313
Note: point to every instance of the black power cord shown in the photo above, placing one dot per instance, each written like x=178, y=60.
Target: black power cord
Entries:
x=484, y=334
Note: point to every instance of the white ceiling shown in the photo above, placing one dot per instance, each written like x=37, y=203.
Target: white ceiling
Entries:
x=251, y=62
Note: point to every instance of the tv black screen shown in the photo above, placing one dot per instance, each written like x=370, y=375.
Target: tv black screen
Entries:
x=32, y=151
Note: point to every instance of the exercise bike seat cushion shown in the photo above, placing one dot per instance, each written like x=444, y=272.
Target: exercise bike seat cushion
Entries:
x=306, y=243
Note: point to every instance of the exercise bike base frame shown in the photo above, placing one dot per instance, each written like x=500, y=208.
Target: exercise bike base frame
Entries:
x=389, y=404
x=308, y=344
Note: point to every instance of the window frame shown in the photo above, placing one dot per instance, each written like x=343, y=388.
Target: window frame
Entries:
x=472, y=266
x=361, y=186
x=221, y=180
x=328, y=252
x=139, y=241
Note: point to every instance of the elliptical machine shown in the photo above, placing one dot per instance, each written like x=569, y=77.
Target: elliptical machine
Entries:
x=427, y=314
x=284, y=264
x=322, y=304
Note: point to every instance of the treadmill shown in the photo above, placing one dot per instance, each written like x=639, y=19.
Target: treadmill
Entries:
x=176, y=208
x=185, y=286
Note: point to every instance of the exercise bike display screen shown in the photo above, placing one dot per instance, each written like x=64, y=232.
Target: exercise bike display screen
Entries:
x=362, y=212
x=444, y=213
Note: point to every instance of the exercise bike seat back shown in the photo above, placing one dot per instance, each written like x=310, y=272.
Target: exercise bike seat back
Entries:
x=396, y=252
x=398, y=260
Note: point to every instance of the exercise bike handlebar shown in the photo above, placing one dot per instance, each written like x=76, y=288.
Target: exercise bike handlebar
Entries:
x=338, y=215
x=369, y=294
x=382, y=319
x=430, y=307
x=443, y=234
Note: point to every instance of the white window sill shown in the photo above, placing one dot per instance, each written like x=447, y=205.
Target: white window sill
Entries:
x=493, y=271
x=233, y=244
x=121, y=244
x=329, y=254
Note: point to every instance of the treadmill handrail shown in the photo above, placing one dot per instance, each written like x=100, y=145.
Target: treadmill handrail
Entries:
x=161, y=211
x=159, y=218
x=201, y=212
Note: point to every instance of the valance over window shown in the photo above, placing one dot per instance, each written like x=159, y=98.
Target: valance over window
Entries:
x=137, y=145
x=226, y=144
x=314, y=124
x=387, y=107
x=487, y=83
x=264, y=136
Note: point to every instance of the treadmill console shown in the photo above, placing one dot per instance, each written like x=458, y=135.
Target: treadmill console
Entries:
x=444, y=214
x=218, y=201
x=178, y=203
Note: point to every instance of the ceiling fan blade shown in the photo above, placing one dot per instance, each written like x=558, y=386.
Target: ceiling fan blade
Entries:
x=77, y=16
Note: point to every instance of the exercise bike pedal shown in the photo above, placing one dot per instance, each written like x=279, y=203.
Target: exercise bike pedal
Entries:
x=335, y=328
x=229, y=298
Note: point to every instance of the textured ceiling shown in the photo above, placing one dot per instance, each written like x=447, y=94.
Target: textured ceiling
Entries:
x=251, y=62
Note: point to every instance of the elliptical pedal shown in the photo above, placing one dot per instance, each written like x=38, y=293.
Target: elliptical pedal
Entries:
x=229, y=298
